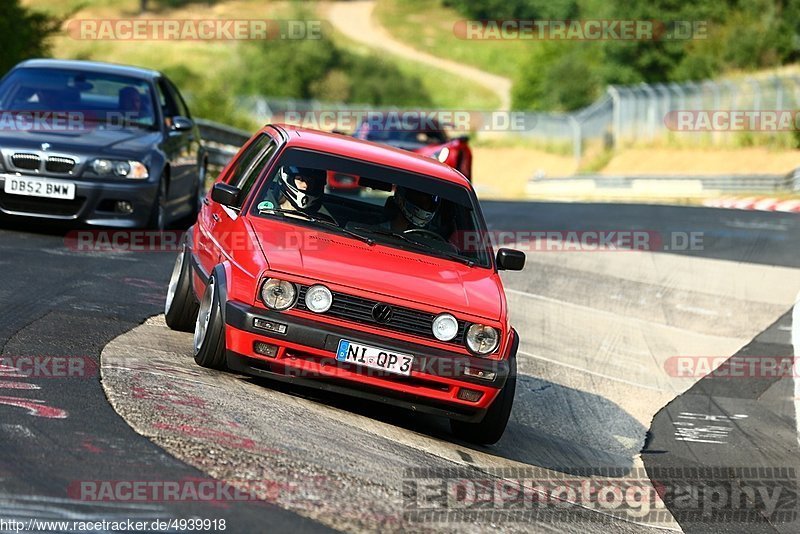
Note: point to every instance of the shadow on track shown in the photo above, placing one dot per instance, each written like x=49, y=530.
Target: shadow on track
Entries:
x=552, y=427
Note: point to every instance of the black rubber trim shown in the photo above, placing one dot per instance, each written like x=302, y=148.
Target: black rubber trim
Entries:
x=326, y=337
x=243, y=364
x=198, y=269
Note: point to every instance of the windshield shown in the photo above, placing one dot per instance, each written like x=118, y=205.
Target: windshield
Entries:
x=375, y=204
x=102, y=98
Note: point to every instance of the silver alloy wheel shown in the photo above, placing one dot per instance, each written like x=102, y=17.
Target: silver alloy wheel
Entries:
x=203, y=317
x=173, y=281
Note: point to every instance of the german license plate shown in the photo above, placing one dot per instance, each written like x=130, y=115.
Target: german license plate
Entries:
x=38, y=187
x=374, y=357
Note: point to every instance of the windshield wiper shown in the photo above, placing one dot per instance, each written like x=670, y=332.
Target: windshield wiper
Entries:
x=455, y=257
x=328, y=224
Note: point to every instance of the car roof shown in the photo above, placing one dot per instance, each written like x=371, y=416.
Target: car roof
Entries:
x=381, y=154
x=91, y=66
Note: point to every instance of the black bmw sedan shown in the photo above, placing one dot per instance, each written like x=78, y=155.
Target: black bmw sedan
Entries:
x=97, y=144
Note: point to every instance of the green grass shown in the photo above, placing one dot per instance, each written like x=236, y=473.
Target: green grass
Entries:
x=428, y=26
x=447, y=91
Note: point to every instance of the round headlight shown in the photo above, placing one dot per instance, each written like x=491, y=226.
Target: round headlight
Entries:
x=482, y=339
x=319, y=299
x=444, y=153
x=122, y=168
x=102, y=166
x=445, y=327
x=278, y=294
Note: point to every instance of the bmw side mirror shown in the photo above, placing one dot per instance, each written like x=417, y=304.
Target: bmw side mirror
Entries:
x=509, y=259
x=226, y=194
x=181, y=124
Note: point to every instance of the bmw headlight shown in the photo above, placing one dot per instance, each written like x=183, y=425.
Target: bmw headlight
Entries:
x=442, y=154
x=482, y=339
x=319, y=299
x=134, y=170
x=445, y=327
x=278, y=294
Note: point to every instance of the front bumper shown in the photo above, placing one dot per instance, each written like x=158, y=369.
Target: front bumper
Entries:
x=307, y=355
x=93, y=204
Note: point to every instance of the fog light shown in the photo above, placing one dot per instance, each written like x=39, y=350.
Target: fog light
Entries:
x=123, y=207
x=270, y=326
x=469, y=395
x=480, y=373
x=265, y=349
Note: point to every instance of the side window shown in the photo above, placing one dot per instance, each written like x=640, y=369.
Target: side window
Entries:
x=251, y=175
x=168, y=107
x=177, y=99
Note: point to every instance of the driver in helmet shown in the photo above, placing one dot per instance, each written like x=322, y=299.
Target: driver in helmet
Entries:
x=414, y=209
x=298, y=189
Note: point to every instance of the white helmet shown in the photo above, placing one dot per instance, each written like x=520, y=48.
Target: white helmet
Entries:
x=308, y=199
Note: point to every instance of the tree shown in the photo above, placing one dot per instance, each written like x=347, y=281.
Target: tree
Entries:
x=24, y=34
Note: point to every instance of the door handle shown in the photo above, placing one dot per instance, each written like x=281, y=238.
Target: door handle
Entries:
x=205, y=201
x=215, y=217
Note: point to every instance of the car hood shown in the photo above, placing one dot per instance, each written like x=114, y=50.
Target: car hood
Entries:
x=380, y=269
x=93, y=140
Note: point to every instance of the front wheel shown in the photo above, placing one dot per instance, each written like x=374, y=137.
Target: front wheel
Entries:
x=181, y=306
x=209, y=330
x=490, y=429
x=158, y=212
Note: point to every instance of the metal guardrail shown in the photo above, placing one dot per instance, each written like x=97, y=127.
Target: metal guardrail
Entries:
x=223, y=142
x=220, y=141
x=760, y=183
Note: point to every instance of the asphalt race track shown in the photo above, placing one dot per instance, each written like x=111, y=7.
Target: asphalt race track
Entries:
x=598, y=400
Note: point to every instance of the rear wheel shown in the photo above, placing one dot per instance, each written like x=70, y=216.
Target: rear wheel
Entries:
x=181, y=306
x=491, y=428
x=209, y=331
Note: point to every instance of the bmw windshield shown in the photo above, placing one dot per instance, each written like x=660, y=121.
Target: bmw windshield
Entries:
x=105, y=100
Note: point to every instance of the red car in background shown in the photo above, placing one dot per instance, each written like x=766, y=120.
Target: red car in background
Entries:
x=433, y=142
x=387, y=295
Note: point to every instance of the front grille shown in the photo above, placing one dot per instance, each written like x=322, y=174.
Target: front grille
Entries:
x=41, y=206
x=59, y=164
x=359, y=310
x=30, y=162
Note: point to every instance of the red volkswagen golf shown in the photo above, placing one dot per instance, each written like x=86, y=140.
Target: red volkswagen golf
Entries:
x=391, y=295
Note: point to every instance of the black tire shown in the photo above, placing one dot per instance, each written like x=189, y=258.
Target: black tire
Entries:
x=209, y=341
x=491, y=428
x=180, y=308
x=158, y=213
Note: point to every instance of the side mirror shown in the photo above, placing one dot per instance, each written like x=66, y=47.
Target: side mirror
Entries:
x=462, y=138
x=509, y=259
x=181, y=124
x=226, y=194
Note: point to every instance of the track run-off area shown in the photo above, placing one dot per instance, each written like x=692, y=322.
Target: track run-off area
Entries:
x=612, y=393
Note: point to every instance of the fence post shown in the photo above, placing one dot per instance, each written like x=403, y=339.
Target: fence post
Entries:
x=617, y=114
x=577, y=142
